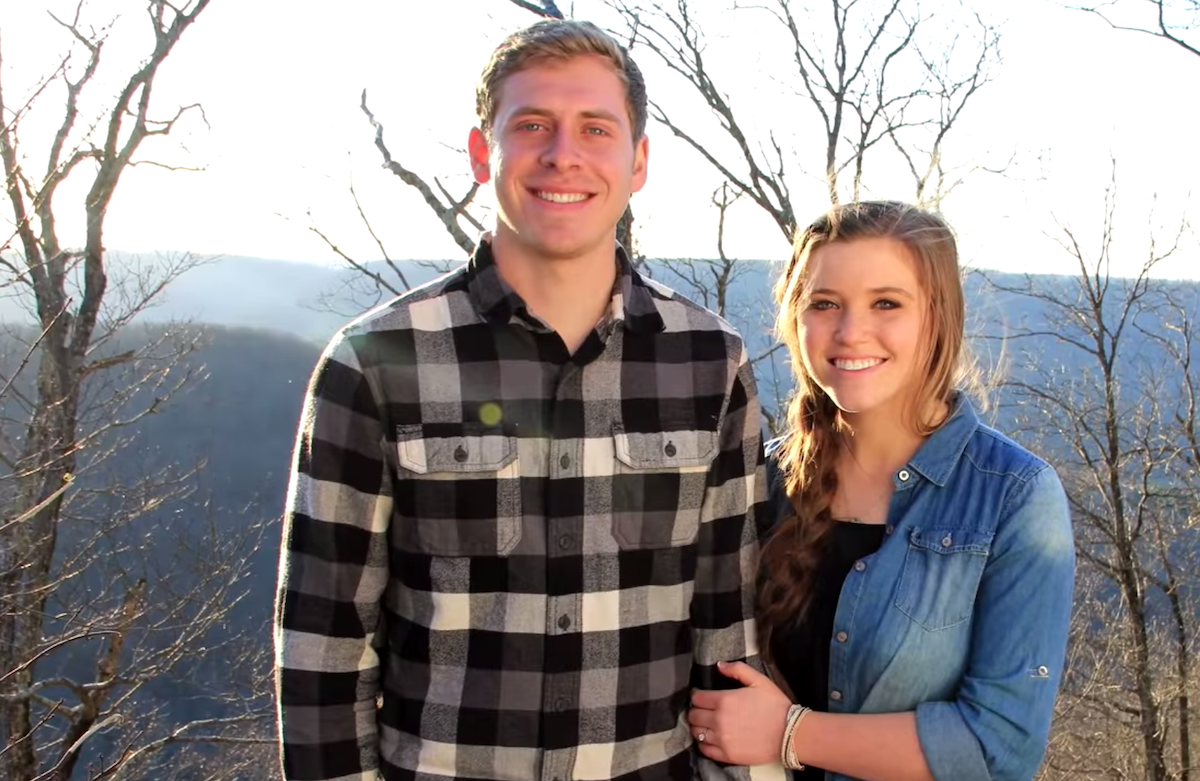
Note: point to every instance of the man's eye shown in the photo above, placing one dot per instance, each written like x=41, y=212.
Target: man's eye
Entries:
x=531, y=126
x=597, y=131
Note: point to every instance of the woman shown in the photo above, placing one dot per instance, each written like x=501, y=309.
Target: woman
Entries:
x=917, y=584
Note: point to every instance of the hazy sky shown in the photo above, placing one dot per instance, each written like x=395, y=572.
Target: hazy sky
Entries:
x=280, y=84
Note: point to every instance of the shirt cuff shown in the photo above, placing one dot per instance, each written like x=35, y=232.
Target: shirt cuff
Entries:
x=951, y=750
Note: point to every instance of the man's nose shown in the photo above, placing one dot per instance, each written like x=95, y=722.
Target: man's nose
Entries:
x=562, y=149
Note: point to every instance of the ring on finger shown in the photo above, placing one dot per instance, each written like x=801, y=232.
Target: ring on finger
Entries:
x=704, y=734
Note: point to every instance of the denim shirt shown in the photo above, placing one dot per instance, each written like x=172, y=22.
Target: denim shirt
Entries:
x=962, y=613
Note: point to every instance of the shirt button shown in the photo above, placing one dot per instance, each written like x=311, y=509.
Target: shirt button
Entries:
x=564, y=622
x=565, y=461
x=564, y=541
x=903, y=475
x=947, y=541
x=670, y=450
x=842, y=637
x=460, y=454
x=860, y=565
x=561, y=704
x=835, y=695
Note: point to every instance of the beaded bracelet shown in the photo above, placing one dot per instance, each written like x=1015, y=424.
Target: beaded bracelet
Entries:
x=787, y=752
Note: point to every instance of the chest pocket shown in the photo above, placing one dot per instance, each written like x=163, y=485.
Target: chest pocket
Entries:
x=659, y=485
x=942, y=570
x=459, y=490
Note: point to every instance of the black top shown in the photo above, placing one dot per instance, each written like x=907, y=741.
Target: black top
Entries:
x=801, y=651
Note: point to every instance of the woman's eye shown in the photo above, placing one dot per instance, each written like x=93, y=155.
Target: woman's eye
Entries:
x=887, y=303
x=822, y=305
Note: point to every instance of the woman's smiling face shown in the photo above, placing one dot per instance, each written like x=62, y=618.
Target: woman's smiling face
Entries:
x=862, y=324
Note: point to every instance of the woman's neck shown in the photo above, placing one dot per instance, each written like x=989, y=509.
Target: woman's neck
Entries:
x=881, y=442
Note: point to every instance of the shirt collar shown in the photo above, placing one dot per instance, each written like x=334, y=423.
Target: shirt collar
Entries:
x=632, y=302
x=940, y=454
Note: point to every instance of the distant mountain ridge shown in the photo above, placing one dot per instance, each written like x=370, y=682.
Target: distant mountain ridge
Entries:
x=312, y=300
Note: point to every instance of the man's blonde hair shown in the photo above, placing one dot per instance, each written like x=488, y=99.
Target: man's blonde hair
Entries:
x=558, y=39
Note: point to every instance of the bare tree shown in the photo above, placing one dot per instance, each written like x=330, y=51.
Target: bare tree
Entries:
x=99, y=598
x=1176, y=21
x=867, y=73
x=710, y=281
x=1113, y=411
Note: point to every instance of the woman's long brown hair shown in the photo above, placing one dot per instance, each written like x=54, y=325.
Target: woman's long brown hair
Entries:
x=809, y=452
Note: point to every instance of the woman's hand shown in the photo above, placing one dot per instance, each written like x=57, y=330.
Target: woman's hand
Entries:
x=740, y=726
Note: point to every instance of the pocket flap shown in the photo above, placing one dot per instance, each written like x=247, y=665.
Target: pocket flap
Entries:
x=466, y=449
x=664, y=449
x=952, y=540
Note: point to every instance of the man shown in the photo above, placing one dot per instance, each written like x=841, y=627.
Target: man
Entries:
x=521, y=521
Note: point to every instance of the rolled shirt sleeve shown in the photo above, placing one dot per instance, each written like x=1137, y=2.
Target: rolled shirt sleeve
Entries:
x=999, y=723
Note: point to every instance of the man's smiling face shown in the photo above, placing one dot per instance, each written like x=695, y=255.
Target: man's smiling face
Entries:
x=562, y=157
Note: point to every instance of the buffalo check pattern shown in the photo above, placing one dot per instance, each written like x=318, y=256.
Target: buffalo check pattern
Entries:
x=504, y=561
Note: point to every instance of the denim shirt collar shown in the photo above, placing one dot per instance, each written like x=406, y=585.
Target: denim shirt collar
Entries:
x=936, y=459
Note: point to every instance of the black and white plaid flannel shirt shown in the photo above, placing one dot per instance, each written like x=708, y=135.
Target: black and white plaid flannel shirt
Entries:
x=503, y=561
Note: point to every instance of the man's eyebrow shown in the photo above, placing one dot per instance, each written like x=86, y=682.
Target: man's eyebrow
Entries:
x=601, y=114
x=535, y=111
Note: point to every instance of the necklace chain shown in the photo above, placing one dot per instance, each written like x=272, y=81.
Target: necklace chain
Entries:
x=884, y=495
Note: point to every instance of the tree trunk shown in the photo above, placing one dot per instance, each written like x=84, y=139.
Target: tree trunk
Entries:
x=1151, y=716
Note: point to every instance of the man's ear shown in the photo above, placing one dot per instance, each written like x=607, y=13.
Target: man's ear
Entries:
x=641, y=161
x=477, y=148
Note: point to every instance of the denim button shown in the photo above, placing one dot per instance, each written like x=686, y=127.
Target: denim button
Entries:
x=860, y=565
x=842, y=637
x=1043, y=671
x=835, y=695
x=947, y=541
x=889, y=529
x=903, y=475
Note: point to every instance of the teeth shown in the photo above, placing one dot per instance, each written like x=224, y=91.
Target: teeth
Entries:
x=857, y=365
x=562, y=197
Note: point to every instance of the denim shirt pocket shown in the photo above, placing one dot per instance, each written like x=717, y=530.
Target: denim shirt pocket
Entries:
x=942, y=570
